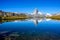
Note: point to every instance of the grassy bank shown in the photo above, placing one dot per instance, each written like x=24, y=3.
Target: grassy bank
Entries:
x=13, y=17
x=55, y=17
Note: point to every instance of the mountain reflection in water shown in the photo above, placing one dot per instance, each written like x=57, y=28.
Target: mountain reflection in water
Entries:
x=35, y=20
x=30, y=29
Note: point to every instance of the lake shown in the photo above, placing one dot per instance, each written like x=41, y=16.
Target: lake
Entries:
x=30, y=29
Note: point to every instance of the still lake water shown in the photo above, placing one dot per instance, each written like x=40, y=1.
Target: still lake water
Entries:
x=32, y=29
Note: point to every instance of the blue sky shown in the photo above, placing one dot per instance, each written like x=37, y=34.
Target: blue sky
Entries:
x=28, y=6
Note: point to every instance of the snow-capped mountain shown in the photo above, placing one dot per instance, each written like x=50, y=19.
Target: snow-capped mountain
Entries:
x=48, y=14
x=56, y=14
x=40, y=13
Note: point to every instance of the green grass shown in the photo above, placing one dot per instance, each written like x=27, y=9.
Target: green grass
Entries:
x=13, y=17
x=55, y=17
